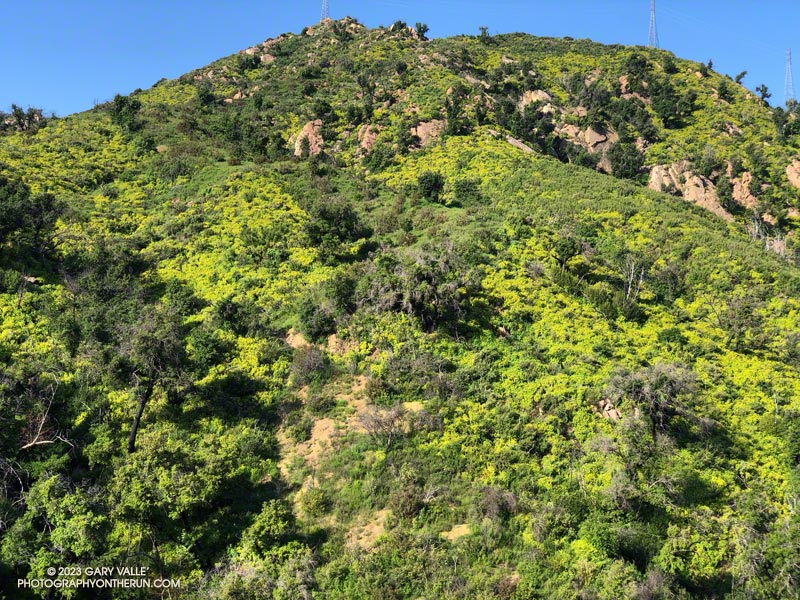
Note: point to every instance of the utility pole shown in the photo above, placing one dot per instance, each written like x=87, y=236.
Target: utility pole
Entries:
x=788, y=91
x=653, y=41
x=325, y=13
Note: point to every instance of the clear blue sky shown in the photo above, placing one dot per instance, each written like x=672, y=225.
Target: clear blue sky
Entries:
x=66, y=56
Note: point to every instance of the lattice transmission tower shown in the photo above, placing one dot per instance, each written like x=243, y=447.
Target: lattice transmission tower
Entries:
x=788, y=90
x=653, y=41
x=325, y=13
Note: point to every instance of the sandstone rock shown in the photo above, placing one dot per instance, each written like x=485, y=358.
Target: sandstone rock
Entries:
x=366, y=137
x=267, y=59
x=518, y=144
x=594, y=138
x=793, y=173
x=548, y=109
x=534, y=96
x=569, y=131
x=312, y=132
x=692, y=187
x=592, y=77
x=428, y=131
x=741, y=191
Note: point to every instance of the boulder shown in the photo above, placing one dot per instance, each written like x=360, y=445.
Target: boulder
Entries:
x=518, y=144
x=793, y=173
x=594, y=138
x=366, y=137
x=534, y=96
x=312, y=132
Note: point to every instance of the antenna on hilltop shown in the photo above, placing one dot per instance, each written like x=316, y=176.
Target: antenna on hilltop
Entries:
x=789, y=89
x=325, y=14
x=653, y=41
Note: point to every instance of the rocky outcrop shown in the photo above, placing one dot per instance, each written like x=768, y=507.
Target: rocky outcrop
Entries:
x=367, y=135
x=741, y=191
x=261, y=50
x=534, y=96
x=427, y=131
x=677, y=178
x=793, y=173
x=312, y=132
x=593, y=138
x=595, y=141
x=606, y=409
x=518, y=144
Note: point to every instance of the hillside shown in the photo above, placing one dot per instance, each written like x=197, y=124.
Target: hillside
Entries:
x=358, y=314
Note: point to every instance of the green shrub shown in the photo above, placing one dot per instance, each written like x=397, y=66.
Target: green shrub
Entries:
x=430, y=185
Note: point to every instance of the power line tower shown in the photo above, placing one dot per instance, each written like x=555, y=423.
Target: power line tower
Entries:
x=788, y=91
x=325, y=13
x=653, y=41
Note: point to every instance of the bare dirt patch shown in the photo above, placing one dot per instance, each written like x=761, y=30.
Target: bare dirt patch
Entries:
x=365, y=535
x=458, y=531
x=296, y=339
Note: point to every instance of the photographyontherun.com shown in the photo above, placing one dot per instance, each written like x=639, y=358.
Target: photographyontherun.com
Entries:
x=98, y=578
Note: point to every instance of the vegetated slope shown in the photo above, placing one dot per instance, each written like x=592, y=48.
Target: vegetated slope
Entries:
x=334, y=318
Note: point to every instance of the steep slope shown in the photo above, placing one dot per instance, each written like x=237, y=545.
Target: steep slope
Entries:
x=335, y=317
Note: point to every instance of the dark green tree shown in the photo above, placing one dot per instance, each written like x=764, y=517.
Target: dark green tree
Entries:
x=430, y=185
x=763, y=93
x=124, y=112
x=626, y=160
x=154, y=355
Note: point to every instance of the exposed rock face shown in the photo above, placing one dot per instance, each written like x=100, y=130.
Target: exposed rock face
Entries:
x=427, y=131
x=518, y=144
x=569, y=131
x=741, y=191
x=793, y=173
x=594, y=138
x=366, y=137
x=591, y=139
x=534, y=96
x=260, y=50
x=606, y=409
x=312, y=132
x=694, y=188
